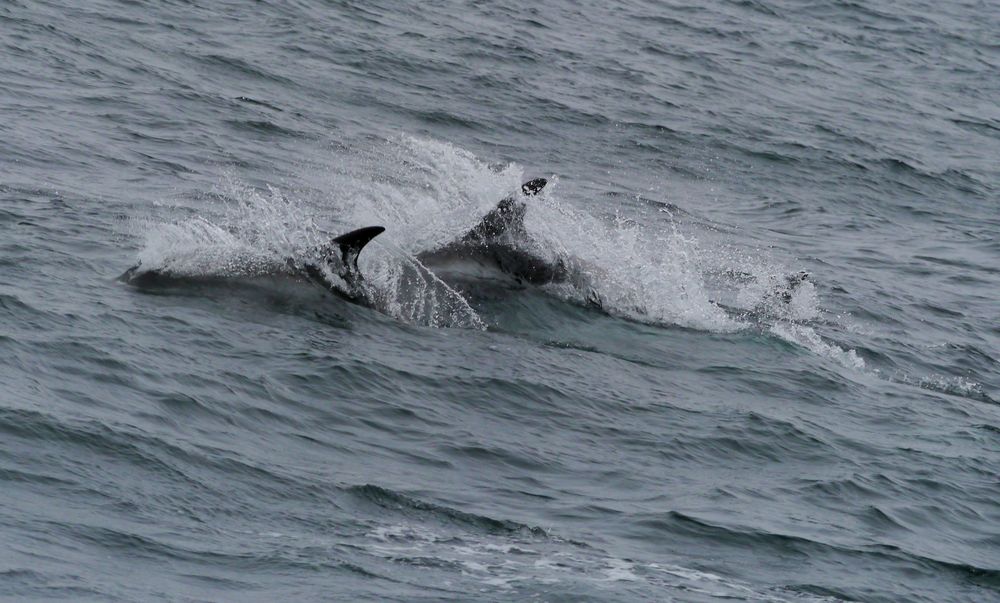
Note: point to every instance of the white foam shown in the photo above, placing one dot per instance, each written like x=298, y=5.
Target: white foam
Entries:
x=487, y=561
x=619, y=570
x=647, y=273
x=953, y=385
x=426, y=192
x=808, y=338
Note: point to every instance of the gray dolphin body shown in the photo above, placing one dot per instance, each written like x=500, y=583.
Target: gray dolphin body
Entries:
x=337, y=269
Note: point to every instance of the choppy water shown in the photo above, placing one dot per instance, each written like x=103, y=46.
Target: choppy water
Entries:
x=243, y=435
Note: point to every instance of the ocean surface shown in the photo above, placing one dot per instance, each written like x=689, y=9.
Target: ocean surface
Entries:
x=707, y=432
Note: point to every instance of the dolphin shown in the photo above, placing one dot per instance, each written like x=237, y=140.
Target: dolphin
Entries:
x=337, y=268
x=499, y=241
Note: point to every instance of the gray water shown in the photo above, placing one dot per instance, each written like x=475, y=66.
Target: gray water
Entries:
x=236, y=433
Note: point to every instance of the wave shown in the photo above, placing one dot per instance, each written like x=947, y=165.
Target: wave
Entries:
x=410, y=506
x=675, y=522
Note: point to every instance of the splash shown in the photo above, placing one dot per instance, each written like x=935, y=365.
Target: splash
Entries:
x=651, y=267
x=426, y=192
x=248, y=233
x=647, y=274
x=407, y=290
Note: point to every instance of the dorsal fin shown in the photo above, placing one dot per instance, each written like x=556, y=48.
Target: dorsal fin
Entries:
x=351, y=244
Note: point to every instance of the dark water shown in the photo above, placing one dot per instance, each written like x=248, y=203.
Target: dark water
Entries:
x=242, y=435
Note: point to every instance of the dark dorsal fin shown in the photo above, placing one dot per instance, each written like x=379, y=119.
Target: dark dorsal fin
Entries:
x=351, y=244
